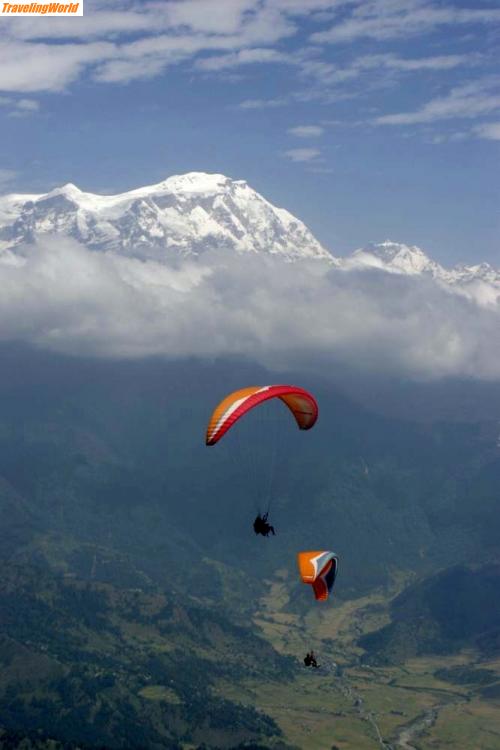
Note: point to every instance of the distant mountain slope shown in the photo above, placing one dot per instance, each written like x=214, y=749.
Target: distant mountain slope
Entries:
x=456, y=608
x=119, y=668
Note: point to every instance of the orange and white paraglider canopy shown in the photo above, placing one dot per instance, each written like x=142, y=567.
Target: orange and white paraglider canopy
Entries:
x=319, y=569
x=301, y=403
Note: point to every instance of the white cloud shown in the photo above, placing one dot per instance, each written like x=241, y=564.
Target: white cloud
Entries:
x=392, y=19
x=439, y=138
x=46, y=67
x=120, y=41
x=302, y=154
x=19, y=107
x=306, y=131
x=62, y=297
x=263, y=103
x=330, y=74
x=209, y=16
x=402, y=64
x=93, y=25
x=470, y=100
x=28, y=105
x=243, y=57
x=102, y=21
x=124, y=71
x=166, y=33
x=304, y=7
x=489, y=130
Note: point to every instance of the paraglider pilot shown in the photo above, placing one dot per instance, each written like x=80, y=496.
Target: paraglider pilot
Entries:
x=310, y=660
x=261, y=525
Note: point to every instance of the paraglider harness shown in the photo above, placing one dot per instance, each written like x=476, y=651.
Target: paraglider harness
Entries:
x=310, y=660
x=261, y=526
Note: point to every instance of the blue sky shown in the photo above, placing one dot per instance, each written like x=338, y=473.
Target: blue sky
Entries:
x=368, y=120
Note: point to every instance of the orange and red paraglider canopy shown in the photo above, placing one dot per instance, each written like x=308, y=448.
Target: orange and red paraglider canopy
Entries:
x=319, y=569
x=301, y=403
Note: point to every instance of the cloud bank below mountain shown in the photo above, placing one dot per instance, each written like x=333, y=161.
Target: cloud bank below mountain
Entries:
x=61, y=296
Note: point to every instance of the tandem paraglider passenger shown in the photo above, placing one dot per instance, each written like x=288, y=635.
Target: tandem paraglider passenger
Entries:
x=310, y=660
x=262, y=526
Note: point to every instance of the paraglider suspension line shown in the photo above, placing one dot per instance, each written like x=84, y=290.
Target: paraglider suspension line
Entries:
x=274, y=451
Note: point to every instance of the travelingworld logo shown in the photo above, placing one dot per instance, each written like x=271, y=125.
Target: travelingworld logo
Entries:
x=41, y=9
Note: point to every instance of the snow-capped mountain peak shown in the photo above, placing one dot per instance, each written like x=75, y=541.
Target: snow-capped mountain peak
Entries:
x=183, y=215
x=480, y=282
x=394, y=257
x=68, y=189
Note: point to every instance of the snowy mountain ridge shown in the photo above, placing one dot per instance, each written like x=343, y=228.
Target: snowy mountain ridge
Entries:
x=185, y=215
x=411, y=260
x=480, y=282
x=181, y=216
